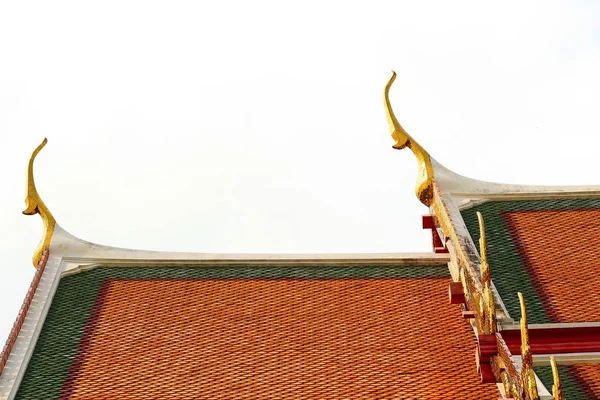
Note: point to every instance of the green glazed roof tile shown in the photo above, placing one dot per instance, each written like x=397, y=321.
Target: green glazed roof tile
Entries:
x=573, y=387
x=76, y=296
x=509, y=271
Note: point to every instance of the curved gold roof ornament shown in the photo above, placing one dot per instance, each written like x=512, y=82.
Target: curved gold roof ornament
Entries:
x=486, y=276
x=488, y=307
x=35, y=205
x=527, y=374
x=424, y=187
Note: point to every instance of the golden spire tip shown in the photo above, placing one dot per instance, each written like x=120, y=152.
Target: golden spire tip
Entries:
x=35, y=205
x=401, y=140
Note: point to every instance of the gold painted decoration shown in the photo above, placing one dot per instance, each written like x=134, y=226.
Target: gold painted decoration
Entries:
x=469, y=276
x=35, y=205
x=489, y=315
x=424, y=187
x=507, y=384
x=465, y=285
x=557, y=393
x=487, y=299
x=464, y=259
x=486, y=276
x=510, y=377
x=527, y=374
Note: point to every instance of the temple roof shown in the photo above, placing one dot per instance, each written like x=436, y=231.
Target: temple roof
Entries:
x=523, y=252
x=264, y=332
x=511, y=279
x=579, y=381
x=545, y=249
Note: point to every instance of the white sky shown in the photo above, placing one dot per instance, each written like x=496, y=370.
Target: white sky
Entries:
x=258, y=127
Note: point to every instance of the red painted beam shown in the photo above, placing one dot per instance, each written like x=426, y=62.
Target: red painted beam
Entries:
x=456, y=295
x=487, y=347
x=428, y=222
x=468, y=314
x=555, y=340
x=437, y=243
x=440, y=249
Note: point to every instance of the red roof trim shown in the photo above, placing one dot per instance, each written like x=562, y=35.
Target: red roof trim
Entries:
x=555, y=340
x=14, y=332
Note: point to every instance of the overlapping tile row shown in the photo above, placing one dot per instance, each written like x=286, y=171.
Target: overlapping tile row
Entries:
x=16, y=328
x=552, y=243
x=241, y=332
x=579, y=381
x=545, y=249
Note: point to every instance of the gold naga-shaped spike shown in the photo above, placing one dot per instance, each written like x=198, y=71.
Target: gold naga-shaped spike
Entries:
x=488, y=306
x=486, y=276
x=35, y=205
x=557, y=393
x=424, y=187
x=527, y=374
x=490, y=310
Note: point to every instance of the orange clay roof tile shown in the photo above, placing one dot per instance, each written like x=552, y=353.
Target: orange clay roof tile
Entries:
x=561, y=248
x=589, y=375
x=359, y=337
x=546, y=249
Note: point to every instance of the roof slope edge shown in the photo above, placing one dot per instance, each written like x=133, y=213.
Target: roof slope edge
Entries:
x=68, y=246
x=459, y=185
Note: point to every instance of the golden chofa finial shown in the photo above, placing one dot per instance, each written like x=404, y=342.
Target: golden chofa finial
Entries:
x=527, y=374
x=35, y=205
x=403, y=139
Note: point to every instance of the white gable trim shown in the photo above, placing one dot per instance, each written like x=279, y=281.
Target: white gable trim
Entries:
x=70, y=255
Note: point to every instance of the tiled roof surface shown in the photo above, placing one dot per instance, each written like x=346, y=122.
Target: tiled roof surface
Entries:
x=561, y=250
x=257, y=333
x=579, y=381
x=547, y=249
